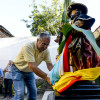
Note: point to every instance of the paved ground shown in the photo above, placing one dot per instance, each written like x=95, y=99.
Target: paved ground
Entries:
x=39, y=97
x=42, y=86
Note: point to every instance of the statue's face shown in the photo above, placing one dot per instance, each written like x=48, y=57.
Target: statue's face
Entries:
x=73, y=13
x=79, y=23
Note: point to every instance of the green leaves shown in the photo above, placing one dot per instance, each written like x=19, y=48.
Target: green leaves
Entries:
x=66, y=29
x=45, y=18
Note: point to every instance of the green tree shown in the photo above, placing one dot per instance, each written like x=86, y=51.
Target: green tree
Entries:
x=48, y=19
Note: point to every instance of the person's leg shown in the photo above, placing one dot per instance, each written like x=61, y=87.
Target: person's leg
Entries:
x=1, y=85
x=18, y=81
x=31, y=86
x=5, y=87
x=0, y=89
x=10, y=87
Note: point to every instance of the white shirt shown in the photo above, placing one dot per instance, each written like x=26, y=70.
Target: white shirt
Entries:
x=8, y=75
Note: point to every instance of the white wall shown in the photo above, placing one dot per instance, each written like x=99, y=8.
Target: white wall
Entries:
x=9, y=48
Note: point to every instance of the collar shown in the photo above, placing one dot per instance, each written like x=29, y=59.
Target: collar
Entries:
x=36, y=46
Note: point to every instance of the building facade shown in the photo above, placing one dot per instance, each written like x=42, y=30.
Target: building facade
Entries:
x=97, y=35
x=4, y=32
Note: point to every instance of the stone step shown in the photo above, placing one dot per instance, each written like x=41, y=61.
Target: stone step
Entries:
x=87, y=86
x=68, y=97
x=80, y=90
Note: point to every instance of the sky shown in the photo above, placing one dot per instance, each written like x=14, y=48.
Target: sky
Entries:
x=13, y=11
x=11, y=14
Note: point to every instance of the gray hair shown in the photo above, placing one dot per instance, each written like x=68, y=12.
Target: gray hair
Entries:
x=41, y=35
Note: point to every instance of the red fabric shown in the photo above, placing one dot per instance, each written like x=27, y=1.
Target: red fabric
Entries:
x=71, y=23
x=65, y=55
x=99, y=62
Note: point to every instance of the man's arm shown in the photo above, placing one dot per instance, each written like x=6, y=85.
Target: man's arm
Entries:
x=49, y=66
x=4, y=70
x=38, y=71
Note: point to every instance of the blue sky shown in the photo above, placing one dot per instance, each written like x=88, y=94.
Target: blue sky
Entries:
x=13, y=11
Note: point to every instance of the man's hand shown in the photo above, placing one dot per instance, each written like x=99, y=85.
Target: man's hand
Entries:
x=48, y=80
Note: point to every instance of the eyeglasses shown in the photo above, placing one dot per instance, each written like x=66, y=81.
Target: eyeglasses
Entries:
x=44, y=44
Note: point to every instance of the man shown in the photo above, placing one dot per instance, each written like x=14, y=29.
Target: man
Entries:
x=29, y=57
x=7, y=80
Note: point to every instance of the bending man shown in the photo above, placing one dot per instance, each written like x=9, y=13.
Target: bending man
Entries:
x=25, y=65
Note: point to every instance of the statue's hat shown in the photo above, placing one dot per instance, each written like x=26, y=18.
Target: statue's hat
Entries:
x=79, y=6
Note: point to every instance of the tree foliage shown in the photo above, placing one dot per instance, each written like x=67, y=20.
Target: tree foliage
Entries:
x=45, y=18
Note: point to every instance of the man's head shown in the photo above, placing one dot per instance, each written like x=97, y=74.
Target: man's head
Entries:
x=10, y=62
x=43, y=41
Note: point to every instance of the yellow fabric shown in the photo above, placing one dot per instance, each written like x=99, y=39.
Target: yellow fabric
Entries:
x=30, y=53
x=86, y=74
x=58, y=57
